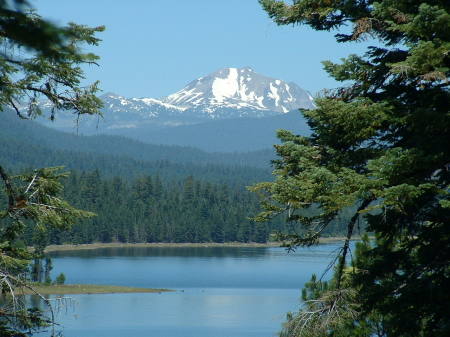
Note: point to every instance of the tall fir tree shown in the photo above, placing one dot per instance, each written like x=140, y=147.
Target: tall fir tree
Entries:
x=380, y=144
x=39, y=60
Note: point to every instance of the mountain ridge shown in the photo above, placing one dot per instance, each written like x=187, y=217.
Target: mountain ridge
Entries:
x=240, y=89
x=229, y=110
x=225, y=94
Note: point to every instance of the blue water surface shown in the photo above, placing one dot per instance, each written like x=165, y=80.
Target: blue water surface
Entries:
x=220, y=292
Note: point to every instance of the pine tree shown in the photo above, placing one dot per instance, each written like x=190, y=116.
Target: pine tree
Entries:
x=380, y=145
x=48, y=69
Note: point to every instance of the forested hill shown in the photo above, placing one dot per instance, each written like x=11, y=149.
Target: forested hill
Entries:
x=25, y=144
x=34, y=133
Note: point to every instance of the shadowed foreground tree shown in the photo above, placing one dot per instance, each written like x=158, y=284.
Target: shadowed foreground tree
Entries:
x=38, y=60
x=381, y=145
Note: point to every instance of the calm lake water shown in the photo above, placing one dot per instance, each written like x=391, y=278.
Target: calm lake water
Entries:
x=221, y=292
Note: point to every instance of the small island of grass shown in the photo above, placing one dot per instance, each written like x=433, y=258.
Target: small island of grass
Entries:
x=72, y=289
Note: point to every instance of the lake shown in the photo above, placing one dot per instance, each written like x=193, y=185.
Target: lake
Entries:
x=220, y=291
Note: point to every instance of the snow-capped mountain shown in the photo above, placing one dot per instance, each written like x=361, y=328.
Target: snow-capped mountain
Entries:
x=130, y=112
x=242, y=90
x=224, y=94
x=145, y=107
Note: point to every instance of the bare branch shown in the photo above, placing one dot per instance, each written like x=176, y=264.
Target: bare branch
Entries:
x=31, y=183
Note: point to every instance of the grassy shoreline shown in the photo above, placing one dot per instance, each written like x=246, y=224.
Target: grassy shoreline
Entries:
x=57, y=248
x=72, y=289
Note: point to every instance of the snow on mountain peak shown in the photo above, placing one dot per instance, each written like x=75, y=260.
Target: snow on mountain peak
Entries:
x=226, y=87
x=240, y=88
x=226, y=93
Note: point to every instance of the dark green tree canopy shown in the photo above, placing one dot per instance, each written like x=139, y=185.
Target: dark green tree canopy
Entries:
x=380, y=146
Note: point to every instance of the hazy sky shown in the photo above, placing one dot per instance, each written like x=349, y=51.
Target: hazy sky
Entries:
x=152, y=48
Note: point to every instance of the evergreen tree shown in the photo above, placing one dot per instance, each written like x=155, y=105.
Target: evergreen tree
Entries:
x=49, y=68
x=60, y=279
x=47, y=270
x=190, y=210
x=379, y=145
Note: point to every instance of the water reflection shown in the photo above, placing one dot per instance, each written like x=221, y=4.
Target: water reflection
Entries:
x=222, y=291
x=187, y=267
x=212, y=252
x=212, y=313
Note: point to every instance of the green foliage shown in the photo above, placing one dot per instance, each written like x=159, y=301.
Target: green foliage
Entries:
x=50, y=66
x=39, y=60
x=381, y=144
x=60, y=279
x=32, y=200
x=331, y=311
x=149, y=209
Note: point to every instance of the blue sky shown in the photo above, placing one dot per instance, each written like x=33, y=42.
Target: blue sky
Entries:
x=153, y=48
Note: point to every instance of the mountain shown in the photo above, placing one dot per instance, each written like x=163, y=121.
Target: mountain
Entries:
x=239, y=92
x=232, y=109
x=226, y=93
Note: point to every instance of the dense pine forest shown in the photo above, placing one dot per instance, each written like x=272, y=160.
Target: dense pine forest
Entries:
x=142, y=192
x=26, y=145
x=155, y=209
x=150, y=210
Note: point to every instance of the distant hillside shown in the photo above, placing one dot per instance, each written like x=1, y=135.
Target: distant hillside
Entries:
x=238, y=135
x=34, y=133
x=25, y=144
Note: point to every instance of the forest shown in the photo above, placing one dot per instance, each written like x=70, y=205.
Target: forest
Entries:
x=26, y=144
x=152, y=209
x=142, y=192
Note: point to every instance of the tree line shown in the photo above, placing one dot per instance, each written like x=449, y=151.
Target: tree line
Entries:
x=149, y=209
x=152, y=208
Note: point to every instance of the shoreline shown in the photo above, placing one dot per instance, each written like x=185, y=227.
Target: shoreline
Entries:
x=99, y=245
x=78, y=289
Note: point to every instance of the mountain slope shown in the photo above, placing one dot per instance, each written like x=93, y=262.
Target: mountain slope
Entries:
x=17, y=154
x=30, y=132
x=230, y=135
x=239, y=92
